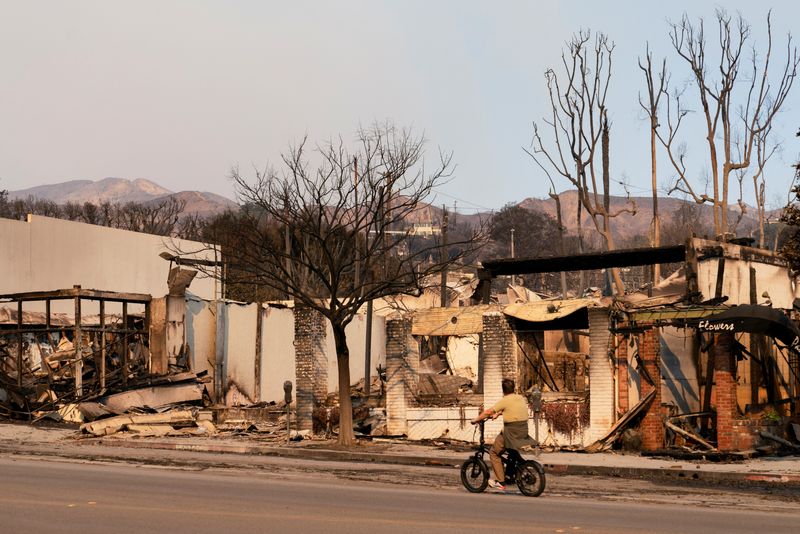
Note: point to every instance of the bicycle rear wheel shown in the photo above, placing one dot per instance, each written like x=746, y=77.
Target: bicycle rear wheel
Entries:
x=530, y=478
x=475, y=475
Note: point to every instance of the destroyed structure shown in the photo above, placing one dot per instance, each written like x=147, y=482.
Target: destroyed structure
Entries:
x=706, y=360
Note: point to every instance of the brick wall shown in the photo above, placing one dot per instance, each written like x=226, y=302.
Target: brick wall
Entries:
x=601, y=374
x=725, y=391
x=402, y=375
x=499, y=361
x=311, y=364
x=652, y=425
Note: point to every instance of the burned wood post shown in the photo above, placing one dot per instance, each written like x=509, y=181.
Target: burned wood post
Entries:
x=125, y=334
x=257, y=358
x=102, y=366
x=77, y=344
x=19, y=344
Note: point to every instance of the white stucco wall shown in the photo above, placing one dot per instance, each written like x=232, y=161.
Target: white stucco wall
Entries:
x=201, y=325
x=356, y=333
x=773, y=279
x=45, y=254
x=225, y=333
x=679, y=385
x=277, y=353
x=240, y=343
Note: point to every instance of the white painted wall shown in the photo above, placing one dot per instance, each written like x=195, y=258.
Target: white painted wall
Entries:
x=463, y=354
x=773, y=279
x=679, y=384
x=240, y=344
x=601, y=374
x=225, y=332
x=201, y=325
x=357, y=341
x=45, y=254
x=277, y=353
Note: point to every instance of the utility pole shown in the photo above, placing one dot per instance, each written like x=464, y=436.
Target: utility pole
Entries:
x=445, y=257
x=287, y=243
x=512, y=244
x=357, y=274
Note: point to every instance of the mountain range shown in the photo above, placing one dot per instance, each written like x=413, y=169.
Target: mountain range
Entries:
x=121, y=190
x=627, y=226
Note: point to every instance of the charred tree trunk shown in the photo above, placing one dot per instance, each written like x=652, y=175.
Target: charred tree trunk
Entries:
x=654, y=181
x=346, y=436
x=604, y=140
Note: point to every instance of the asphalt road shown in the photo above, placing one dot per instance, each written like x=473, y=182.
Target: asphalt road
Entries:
x=53, y=496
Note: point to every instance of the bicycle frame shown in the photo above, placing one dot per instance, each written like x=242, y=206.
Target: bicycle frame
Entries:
x=511, y=458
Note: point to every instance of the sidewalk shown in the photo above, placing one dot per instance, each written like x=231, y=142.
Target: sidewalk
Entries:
x=764, y=470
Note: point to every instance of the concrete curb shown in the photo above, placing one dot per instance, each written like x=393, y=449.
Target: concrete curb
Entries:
x=284, y=452
x=684, y=475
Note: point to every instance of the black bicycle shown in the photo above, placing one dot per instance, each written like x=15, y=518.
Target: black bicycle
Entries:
x=528, y=475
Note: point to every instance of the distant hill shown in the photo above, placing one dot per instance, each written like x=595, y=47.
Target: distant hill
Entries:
x=628, y=226
x=106, y=190
x=121, y=190
x=201, y=203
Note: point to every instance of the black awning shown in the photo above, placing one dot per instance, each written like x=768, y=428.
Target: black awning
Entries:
x=754, y=320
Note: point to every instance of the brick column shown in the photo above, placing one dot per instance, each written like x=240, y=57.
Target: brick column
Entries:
x=499, y=361
x=652, y=423
x=725, y=394
x=402, y=375
x=601, y=374
x=622, y=374
x=311, y=364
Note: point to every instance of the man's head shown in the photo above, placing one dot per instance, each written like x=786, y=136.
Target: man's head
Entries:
x=508, y=386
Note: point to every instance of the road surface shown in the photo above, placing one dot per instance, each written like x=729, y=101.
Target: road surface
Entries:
x=42, y=495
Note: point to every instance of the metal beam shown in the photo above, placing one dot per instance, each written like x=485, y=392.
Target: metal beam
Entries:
x=585, y=262
x=64, y=294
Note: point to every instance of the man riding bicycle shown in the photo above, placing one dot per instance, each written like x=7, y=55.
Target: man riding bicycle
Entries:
x=514, y=409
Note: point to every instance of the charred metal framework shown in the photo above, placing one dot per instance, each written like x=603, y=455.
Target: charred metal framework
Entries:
x=576, y=262
x=82, y=370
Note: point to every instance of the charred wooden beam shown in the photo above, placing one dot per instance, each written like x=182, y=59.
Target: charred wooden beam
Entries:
x=585, y=262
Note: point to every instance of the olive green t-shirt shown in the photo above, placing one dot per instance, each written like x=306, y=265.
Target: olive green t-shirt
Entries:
x=514, y=408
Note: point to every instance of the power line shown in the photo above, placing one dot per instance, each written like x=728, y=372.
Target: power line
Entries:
x=476, y=206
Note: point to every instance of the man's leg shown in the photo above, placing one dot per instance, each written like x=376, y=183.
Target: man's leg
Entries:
x=494, y=457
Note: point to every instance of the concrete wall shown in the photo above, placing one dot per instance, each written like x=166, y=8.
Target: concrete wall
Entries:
x=277, y=352
x=356, y=333
x=201, y=333
x=679, y=385
x=240, y=347
x=434, y=422
x=45, y=254
x=221, y=338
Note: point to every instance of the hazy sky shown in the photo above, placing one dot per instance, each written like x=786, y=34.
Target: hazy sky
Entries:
x=179, y=91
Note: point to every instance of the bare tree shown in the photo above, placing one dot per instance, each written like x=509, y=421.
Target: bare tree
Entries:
x=579, y=131
x=562, y=249
x=733, y=111
x=159, y=217
x=764, y=150
x=348, y=240
x=656, y=86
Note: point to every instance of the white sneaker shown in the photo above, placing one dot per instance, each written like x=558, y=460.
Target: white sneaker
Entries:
x=496, y=485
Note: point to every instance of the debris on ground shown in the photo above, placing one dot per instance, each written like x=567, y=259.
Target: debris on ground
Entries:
x=172, y=423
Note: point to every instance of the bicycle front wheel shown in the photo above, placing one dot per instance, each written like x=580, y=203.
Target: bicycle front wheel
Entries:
x=530, y=478
x=474, y=475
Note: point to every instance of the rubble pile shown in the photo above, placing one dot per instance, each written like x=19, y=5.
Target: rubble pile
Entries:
x=175, y=422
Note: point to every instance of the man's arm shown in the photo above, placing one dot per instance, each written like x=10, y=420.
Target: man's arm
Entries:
x=486, y=414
